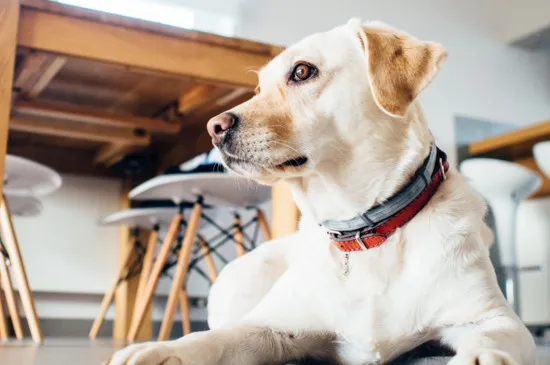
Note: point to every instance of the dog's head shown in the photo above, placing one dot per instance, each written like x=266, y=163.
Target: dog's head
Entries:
x=323, y=96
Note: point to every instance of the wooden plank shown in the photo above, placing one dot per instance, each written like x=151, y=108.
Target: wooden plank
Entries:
x=63, y=160
x=197, y=96
x=137, y=48
x=512, y=145
x=11, y=299
x=3, y=322
x=12, y=246
x=78, y=131
x=114, y=152
x=156, y=28
x=9, y=15
x=531, y=164
x=285, y=214
x=46, y=77
x=31, y=67
x=195, y=130
x=126, y=292
x=37, y=71
x=94, y=116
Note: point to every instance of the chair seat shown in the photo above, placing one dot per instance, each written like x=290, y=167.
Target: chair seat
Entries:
x=26, y=177
x=140, y=217
x=219, y=189
x=490, y=176
x=542, y=156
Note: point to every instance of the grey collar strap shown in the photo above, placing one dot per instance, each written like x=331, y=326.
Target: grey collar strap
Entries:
x=380, y=213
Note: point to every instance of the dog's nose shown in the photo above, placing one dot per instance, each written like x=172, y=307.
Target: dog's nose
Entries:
x=219, y=126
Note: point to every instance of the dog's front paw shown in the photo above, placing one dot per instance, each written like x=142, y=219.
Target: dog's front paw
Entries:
x=147, y=354
x=483, y=357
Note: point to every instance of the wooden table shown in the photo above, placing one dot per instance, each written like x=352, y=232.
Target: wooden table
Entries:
x=83, y=91
x=517, y=146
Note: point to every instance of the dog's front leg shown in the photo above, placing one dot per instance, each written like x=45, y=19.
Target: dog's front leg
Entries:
x=499, y=340
x=240, y=345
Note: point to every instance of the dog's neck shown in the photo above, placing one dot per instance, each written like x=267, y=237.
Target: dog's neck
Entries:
x=341, y=189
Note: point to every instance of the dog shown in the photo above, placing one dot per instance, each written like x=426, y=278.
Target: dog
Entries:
x=336, y=116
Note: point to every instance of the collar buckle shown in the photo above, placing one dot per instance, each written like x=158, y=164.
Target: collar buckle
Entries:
x=360, y=241
x=442, y=168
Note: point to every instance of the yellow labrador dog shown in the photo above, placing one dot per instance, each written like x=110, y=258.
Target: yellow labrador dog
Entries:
x=392, y=250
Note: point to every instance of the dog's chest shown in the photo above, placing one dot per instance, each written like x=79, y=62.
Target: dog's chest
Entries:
x=378, y=301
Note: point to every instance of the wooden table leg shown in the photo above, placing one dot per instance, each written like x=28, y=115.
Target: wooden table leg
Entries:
x=3, y=323
x=9, y=18
x=286, y=215
x=146, y=266
x=181, y=271
x=12, y=246
x=185, y=315
x=11, y=300
x=264, y=226
x=143, y=302
x=110, y=294
x=238, y=235
x=209, y=261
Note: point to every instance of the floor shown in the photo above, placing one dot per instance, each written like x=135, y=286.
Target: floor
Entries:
x=84, y=352
x=56, y=352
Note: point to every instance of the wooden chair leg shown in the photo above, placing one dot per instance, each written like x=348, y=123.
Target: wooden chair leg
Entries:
x=11, y=300
x=181, y=271
x=238, y=236
x=185, y=315
x=264, y=226
x=12, y=246
x=3, y=323
x=146, y=267
x=110, y=294
x=143, y=302
x=212, y=271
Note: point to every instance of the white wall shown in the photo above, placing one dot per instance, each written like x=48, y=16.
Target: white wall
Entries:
x=64, y=249
x=516, y=18
x=483, y=78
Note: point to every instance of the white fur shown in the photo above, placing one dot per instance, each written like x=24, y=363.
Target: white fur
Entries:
x=432, y=279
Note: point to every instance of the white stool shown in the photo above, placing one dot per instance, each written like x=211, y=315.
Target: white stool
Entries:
x=24, y=180
x=541, y=151
x=504, y=185
x=212, y=189
x=137, y=218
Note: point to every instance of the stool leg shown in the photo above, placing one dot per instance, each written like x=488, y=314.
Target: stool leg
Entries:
x=264, y=226
x=11, y=301
x=146, y=267
x=12, y=246
x=3, y=323
x=209, y=261
x=181, y=271
x=238, y=236
x=110, y=294
x=184, y=307
x=143, y=302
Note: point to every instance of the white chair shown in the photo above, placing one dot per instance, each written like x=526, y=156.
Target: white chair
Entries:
x=137, y=218
x=541, y=151
x=24, y=181
x=503, y=185
x=204, y=189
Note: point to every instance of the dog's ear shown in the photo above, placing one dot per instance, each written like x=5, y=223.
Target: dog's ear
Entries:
x=399, y=66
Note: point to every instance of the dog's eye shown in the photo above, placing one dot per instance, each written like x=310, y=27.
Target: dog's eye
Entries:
x=302, y=72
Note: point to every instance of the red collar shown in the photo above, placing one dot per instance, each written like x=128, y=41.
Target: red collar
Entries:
x=376, y=234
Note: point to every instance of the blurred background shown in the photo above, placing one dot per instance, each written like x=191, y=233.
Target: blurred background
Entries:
x=103, y=97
